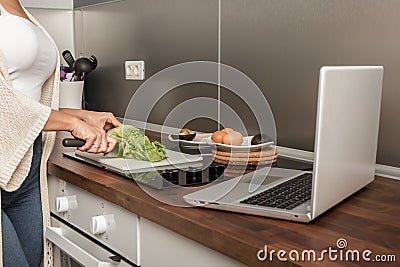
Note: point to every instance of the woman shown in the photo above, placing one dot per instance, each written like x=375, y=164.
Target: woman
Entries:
x=29, y=115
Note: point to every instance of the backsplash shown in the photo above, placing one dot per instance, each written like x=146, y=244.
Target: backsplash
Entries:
x=280, y=45
x=162, y=33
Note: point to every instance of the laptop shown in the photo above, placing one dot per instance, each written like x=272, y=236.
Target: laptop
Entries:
x=346, y=136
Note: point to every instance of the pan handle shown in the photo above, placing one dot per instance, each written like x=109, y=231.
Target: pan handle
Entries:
x=73, y=142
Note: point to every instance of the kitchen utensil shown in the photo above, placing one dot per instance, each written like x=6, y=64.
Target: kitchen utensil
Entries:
x=245, y=146
x=82, y=66
x=73, y=142
x=93, y=61
x=114, y=162
x=186, y=137
x=76, y=142
x=68, y=58
x=200, y=139
x=174, y=159
x=63, y=74
x=71, y=94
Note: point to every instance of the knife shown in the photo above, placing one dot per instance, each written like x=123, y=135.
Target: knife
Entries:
x=73, y=142
x=76, y=142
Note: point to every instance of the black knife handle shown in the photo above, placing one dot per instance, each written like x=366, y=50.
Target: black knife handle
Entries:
x=73, y=142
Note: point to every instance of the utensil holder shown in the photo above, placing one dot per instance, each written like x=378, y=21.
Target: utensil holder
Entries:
x=71, y=94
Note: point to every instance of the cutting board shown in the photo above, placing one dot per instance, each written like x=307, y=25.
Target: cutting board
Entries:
x=174, y=159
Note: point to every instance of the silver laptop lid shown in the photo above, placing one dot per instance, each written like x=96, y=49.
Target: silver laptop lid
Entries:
x=346, y=136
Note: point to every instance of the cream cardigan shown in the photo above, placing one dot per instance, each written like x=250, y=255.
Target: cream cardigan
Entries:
x=22, y=119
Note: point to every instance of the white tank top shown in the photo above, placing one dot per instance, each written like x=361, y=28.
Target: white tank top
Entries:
x=30, y=55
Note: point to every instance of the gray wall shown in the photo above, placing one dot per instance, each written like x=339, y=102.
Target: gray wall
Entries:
x=280, y=44
x=162, y=33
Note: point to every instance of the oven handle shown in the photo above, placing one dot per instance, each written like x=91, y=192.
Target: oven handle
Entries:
x=54, y=234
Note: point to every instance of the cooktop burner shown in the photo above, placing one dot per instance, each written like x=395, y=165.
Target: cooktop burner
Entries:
x=195, y=175
x=179, y=177
x=192, y=175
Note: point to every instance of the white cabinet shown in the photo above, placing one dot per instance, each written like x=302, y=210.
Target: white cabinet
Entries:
x=58, y=4
x=139, y=240
x=162, y=247
x=103, y=221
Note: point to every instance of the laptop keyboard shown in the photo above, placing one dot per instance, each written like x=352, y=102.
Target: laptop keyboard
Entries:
x=286, y=195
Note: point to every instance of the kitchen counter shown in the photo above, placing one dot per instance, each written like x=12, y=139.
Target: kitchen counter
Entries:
x=370, y=219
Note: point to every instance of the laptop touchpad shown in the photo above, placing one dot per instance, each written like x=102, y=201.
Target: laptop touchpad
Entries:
x=269, y=179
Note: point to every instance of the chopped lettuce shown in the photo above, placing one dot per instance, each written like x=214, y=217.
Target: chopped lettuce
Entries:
x=133, y=144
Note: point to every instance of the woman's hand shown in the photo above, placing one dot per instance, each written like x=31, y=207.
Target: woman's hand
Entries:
x=97, y=140
x=101, y=120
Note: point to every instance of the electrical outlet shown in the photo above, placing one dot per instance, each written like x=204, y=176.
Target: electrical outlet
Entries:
x=134, y=70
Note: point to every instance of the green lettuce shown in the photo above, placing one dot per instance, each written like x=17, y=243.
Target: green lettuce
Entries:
x=133, y=144
x=144, y=177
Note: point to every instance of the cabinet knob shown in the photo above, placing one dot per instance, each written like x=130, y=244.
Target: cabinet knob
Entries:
x=98, y=225
x=62, y=204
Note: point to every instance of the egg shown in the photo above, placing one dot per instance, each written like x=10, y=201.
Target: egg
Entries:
x=227, y=130
x=233, y=138
x=218, y=136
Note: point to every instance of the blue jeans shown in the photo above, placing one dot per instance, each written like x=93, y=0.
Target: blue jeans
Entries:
x=21, y=218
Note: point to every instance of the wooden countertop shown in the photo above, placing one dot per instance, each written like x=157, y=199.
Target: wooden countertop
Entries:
x=370, y=219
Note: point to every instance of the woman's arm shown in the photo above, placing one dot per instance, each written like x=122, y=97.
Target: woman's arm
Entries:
x=96, y=139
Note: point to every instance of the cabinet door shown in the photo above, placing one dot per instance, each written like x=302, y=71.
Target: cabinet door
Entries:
x=59, y=4
x=162, y=247
x=83, y=3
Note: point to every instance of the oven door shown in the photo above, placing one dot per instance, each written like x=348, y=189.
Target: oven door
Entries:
x=89, y=252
